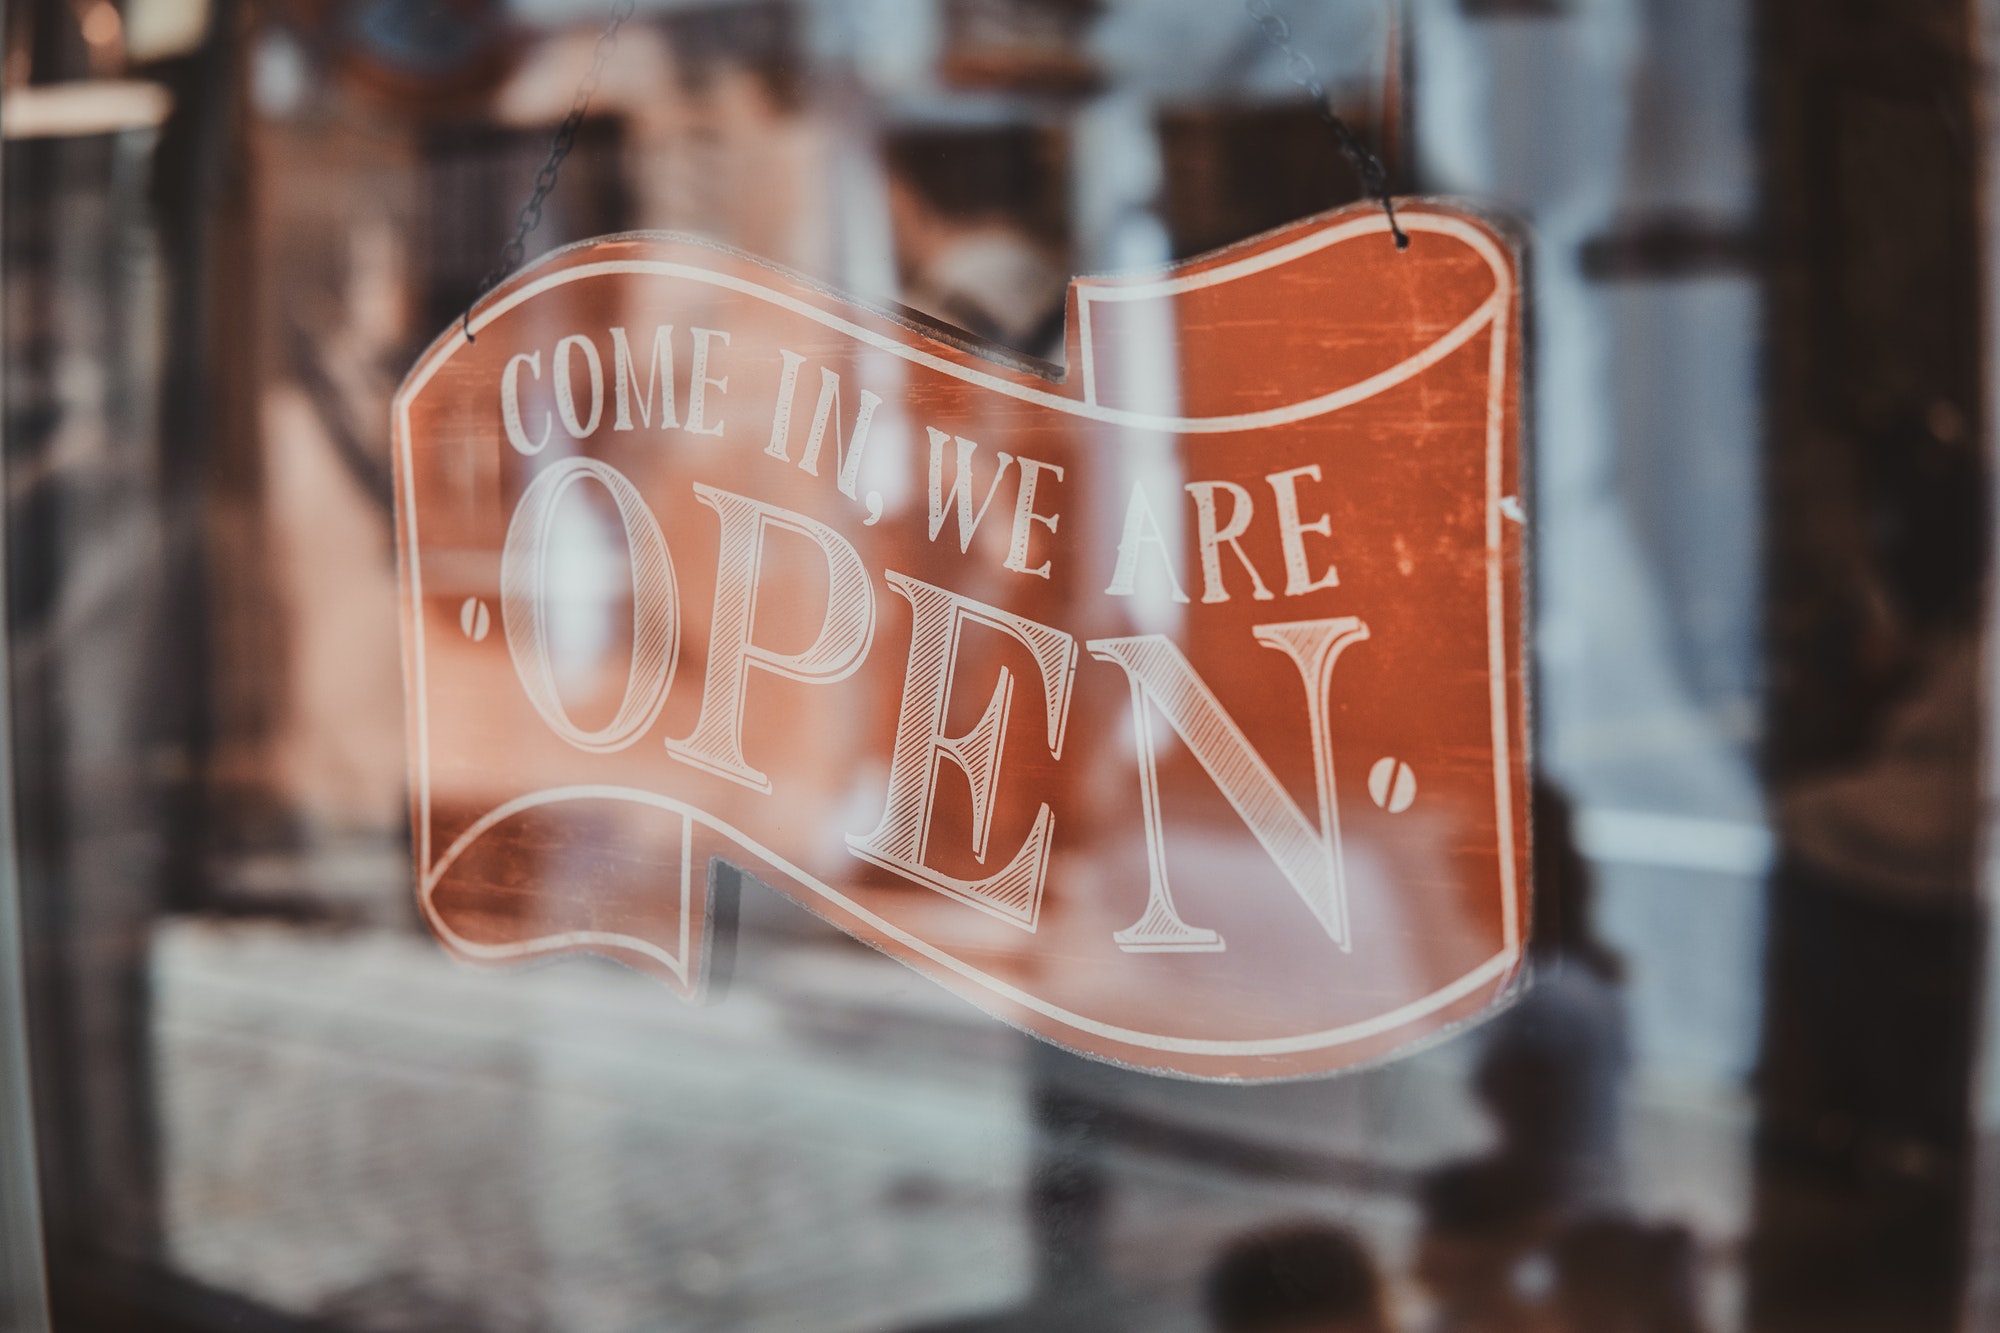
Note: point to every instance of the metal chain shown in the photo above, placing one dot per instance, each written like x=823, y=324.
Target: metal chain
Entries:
x=530, y=216
x=1300, y=68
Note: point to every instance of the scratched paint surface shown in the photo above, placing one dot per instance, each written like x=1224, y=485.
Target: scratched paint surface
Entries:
x=1170, y=706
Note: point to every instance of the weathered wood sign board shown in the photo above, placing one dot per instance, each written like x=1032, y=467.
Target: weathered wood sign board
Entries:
x=1172, y=710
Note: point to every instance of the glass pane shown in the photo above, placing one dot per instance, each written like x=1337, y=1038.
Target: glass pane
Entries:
x=1740, y=1084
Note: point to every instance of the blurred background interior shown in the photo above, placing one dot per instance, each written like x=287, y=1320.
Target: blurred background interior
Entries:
x=1750, y=1089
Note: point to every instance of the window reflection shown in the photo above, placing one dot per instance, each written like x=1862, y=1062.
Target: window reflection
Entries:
x=262, y=1086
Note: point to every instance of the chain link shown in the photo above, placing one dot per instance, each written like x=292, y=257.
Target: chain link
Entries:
x=560, y=146
x=1300, y=69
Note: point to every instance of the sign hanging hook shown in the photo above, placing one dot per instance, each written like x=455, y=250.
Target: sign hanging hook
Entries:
x=560, y=145
x=1299, y=66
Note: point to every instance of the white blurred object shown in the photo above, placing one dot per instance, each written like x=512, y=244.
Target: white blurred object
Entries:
x=86, y=107
x=162, y=29
x=280, y=77
x=1678, y=842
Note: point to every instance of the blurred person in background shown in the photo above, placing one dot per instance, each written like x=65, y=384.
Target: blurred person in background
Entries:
x=1553, y=1067
x=1614, y=1275
x=1551, y=1074
x=1304, y=1278
x=1481, y=1254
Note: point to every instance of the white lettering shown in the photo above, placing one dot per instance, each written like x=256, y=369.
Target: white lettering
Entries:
x=1025, y=516
x=1142, y=528
x=655, y=605
x=961, y=487
x=700, y=383
x=1298, y=580
x=1308, y=854
x=781, y=419
x=659, y=376
x=901, y=842
x=716, y=743
x=846, y=459
x=1212, y=538
x=510, y=405
x=566, y=393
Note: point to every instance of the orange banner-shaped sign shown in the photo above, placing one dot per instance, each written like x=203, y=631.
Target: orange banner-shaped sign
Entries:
x=1170, y=707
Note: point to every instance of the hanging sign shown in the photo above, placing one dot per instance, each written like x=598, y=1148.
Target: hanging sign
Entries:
x=1170, y=708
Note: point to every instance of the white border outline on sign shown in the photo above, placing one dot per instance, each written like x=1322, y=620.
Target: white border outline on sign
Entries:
x=689, y=814
x=1491, y=312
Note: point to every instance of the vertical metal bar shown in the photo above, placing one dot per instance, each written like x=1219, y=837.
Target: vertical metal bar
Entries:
x=1982, y=1300
x=1878, y=472
x=23, y=1286
x=24, y=1302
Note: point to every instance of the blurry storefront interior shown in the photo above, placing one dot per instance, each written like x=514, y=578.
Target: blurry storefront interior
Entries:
x=1745, y=1092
